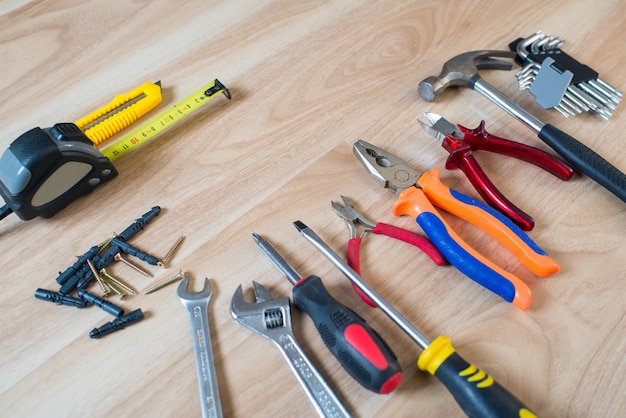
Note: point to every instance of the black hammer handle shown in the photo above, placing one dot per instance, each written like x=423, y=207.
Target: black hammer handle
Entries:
x=585, y=160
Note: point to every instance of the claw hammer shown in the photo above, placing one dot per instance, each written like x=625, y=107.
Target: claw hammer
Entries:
x=462, y=71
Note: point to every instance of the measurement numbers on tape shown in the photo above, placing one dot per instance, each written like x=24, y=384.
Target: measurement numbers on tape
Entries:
x=164, y=120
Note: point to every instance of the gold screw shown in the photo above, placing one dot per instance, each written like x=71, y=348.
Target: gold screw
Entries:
x=105, y=244
x=121, y=294
x=118, y=257
x=164, y=283
x=117, y=282
x=105, y=288
x=171, y=251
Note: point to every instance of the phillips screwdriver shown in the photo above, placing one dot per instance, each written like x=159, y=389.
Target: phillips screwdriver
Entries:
x=359, y=349
x=476, y=392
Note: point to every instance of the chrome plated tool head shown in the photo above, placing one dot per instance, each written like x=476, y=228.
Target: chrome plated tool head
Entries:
x=187, y=297
x=271, y=318
x=352, y=217
x=389, y=171
x=267, y=316
x=439, y=127
x=459, y=70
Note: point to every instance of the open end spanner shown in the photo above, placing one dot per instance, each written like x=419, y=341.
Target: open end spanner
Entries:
x=197, y=304
x=271, y=318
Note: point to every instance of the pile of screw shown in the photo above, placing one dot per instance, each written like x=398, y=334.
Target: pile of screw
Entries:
x=91, y=267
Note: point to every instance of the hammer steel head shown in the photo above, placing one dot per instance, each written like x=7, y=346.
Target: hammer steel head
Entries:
x=459, y=70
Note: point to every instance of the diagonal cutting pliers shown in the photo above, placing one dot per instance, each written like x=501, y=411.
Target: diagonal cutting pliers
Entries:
x=353, y=219
x=460, y=141
x=418, y=192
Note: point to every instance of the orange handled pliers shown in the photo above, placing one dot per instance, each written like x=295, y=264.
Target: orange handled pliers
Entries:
x=353, y=219
x=418, y=192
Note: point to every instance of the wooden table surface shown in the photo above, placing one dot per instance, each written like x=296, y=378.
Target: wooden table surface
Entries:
x=307, y=79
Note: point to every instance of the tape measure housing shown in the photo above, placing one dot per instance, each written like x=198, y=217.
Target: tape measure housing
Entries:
x=44, y=170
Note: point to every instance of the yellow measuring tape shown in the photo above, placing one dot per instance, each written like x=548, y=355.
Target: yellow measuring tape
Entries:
x=164, y=120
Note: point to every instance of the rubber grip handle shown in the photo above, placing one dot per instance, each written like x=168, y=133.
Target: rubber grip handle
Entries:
x=481, y=140
x=359, y=349
x=489, y=220
x=413, y=202
x=354, y=261
x=476, y=392
x=585, y=160
x=412, y=238
x=461, y=157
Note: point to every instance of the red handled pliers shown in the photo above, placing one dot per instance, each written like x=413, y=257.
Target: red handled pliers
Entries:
x=353, y=218
x=460, y=142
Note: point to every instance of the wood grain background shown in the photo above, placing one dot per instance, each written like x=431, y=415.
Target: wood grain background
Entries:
x=308, y=78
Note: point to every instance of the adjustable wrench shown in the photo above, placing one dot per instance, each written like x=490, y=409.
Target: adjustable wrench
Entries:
x=197, y=304
x=271, y=318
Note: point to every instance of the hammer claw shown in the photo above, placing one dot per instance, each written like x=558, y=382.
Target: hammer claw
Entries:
x=493, y=64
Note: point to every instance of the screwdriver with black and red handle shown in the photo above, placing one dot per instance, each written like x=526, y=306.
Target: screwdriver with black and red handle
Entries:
x=360, y=349
x=476, y=392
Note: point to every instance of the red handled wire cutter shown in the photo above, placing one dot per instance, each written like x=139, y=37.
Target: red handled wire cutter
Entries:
x=353, y=219
x=460, y=142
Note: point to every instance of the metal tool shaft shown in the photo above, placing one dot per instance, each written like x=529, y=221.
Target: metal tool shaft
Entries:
x=197, y=304
x=322, y=397
x=277, y=259
x=271, y=318
x=204, y=362
x=382, y=304
x=572, y=150
x=508, y=105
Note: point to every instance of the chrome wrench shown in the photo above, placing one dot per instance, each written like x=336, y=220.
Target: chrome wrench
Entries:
x=197, y=304
x=271, y=318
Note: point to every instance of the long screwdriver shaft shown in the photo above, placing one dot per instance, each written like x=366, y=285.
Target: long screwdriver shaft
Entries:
x=278, y=260
x=358, y=348
x=382, y=304
x=476, y=392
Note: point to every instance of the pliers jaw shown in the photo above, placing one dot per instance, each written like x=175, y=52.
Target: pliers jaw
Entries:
x=440, y=128
x=352, y=218
x=389, y=171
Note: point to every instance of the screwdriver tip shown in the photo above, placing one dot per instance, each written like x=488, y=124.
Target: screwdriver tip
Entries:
x=299, y=226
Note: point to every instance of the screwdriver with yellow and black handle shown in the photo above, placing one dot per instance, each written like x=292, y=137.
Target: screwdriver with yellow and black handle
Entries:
x=359, y=349
x=476, y=392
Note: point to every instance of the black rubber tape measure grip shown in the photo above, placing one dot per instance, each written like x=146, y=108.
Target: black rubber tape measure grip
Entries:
x=44, y=170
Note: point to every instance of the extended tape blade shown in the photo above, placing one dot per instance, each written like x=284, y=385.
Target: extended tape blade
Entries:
x=164, y=120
